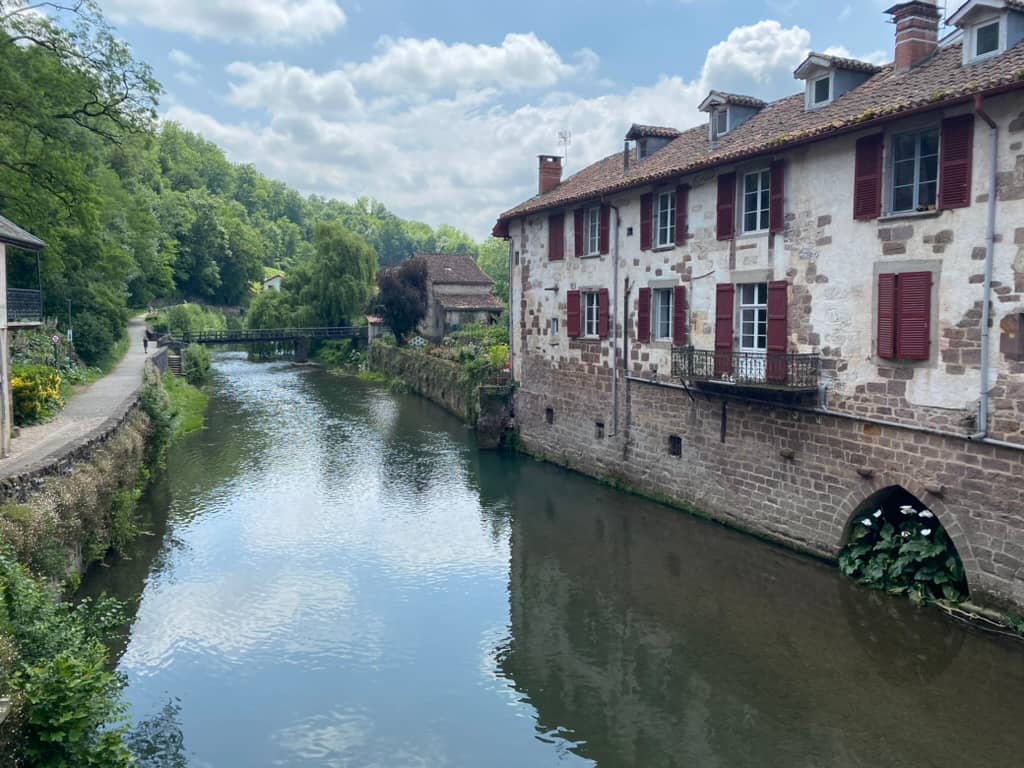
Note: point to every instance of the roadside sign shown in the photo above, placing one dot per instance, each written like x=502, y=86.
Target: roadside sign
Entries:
x=55, y=338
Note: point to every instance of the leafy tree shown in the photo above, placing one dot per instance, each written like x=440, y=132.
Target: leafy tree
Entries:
x=334, y=286
x=402, y=297
x=493, y=260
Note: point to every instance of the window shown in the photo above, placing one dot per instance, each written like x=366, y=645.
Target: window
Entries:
x=641, y=149
x=591, y=314
x=675, y=445
x=666, y=219
x=554, y=326
x=599, y=430
x=821, y=92
x=754, y=317
x=661, y=322
x=756, y=201
x=986, y=39
x=593, y=231
x=721, y=121
x=915, y=170
x=549, y=415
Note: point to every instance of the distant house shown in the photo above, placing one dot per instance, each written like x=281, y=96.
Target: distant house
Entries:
x=459, y=293
x=273, y=283
x=18, y=308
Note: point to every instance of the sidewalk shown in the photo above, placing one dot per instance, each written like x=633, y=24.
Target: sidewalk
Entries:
x=86, y=411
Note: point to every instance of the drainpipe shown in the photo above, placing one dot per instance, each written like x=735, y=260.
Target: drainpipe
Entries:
x=613, y=312
x=511, y=325
x=990, y=239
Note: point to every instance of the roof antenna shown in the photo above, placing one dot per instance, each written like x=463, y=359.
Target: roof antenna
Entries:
x=565, y=139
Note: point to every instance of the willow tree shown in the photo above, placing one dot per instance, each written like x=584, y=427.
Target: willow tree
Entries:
x=333, y=287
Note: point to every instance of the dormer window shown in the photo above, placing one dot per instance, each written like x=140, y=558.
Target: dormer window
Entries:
x=986, y=39
x=721, y=121
x=990, y=27
x=821, y=91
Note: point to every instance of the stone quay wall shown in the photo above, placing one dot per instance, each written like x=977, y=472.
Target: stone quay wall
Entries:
x=797, y=476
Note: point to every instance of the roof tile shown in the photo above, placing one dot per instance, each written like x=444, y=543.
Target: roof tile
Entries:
x=453, y=269
x=12, y=234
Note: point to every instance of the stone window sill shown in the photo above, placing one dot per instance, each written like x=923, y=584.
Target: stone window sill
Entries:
x=663, y=248
x=909, y=215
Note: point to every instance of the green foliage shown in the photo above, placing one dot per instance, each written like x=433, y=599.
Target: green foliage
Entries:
x=493, y=260
x=904, y=551
x=36, y=393
x=341, y=354
x=156, y=404
x=195, y=364
x=402, y=297
x=187, y=318
x=187, y=405
x=67, y=711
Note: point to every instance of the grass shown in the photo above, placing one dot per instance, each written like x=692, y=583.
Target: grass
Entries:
x=188, y=404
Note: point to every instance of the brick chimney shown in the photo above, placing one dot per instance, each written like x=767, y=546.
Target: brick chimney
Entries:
x=550, y=175
x=917, y=32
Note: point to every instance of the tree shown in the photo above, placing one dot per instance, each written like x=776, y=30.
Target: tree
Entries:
x=493, y=260
x=402, y=297
x=334, y=286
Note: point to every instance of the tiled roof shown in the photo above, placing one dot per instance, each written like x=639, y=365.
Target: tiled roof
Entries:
x=453, y=269
x=785, y=123
x=1016, y=5
x=651, y=132
x=479, y=302
x=12, y=234
x=739, y=99
x=855, y=65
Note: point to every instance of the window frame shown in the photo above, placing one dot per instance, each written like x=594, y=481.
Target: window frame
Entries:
x=554, y=327
x=592, y=231
x=976, y=29
x=812, y=86
x=721, y=112
x=758, y=311
x=670, y=228
x=890, y=169
x=657, y=305
x=764, y=197
x=588, y=331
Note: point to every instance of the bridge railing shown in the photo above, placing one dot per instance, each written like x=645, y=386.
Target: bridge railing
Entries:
x=257, y=335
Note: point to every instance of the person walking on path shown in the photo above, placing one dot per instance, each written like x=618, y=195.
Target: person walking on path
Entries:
x=145, y=344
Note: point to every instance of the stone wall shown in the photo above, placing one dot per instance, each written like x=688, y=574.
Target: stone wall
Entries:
x=795, y=476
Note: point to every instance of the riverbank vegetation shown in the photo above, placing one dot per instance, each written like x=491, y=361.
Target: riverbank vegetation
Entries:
x=187, y=404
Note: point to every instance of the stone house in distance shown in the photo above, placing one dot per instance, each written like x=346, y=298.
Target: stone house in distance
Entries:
x=791, y=312
x=459, y=293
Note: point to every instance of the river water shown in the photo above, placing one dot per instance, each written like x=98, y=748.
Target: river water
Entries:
x=333, y=575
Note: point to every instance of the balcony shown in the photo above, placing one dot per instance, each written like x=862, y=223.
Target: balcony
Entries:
x=749, y=370
x=24, y=307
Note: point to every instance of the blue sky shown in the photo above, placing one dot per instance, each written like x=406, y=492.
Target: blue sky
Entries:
x=438, y=109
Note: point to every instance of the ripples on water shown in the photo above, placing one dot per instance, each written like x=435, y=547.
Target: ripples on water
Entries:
x=338, y=578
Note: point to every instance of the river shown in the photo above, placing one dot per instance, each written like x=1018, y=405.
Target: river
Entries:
x=334, y=575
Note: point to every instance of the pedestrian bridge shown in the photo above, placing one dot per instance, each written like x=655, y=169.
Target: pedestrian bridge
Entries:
x=270, y=335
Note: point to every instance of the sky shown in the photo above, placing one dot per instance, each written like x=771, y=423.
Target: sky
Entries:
x=438, y=108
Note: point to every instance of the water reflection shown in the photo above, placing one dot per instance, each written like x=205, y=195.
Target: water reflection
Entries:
x=336, y=577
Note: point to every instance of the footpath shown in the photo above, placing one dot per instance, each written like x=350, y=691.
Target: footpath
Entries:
x=86, y=413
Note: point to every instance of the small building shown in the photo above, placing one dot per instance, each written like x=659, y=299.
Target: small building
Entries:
x=18, y=308
x=459, y=293
x=375, y=328
x=273, y=283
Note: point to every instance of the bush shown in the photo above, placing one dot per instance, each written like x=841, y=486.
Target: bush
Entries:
x=904, y=551
x=195, y=364
x=187, y=318
x=94, y=337
x=36, y=393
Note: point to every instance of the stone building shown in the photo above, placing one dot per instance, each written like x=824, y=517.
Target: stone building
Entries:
x=787, y=313
x=459, y=293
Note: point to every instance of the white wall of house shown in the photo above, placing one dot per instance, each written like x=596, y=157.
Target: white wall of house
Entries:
x=824, y=254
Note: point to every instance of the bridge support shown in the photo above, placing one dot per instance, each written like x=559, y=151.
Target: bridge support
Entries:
x=301, y=350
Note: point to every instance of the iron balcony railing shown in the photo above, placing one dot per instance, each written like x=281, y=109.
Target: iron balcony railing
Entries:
x=769, y=370
x=24, y=306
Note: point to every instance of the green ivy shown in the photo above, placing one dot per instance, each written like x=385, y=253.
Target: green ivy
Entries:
x=905, y=552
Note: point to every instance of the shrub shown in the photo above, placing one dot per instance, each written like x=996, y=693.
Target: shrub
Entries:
x=94, y=337
x=905, y=551
x=36, y=393
x=195, y=364
x=498, y=355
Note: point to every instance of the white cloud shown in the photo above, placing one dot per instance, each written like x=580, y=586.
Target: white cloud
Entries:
x=875, y=57
x=249, y=21
x=521, y=61
x=183, y=60
x=459, y=152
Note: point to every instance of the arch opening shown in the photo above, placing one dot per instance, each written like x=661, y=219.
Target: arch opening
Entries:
x=895, y=543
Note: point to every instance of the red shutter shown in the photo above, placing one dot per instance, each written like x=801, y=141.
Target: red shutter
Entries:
x=777, y=197
x=726, y=206
x=572, y=314
x=643, y=316
x=679, y=335
x=867, y=179
x=606, y=214
x=646, y=222
x=913, y=315
x=556, y=237
x=725, y=301
x=682, y=208
x=602, y=313
x=578, y=233
x=955, y=156
x=887, y=316
x=778, y=305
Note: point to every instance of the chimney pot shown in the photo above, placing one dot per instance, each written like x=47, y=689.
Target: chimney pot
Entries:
x=550, y=175
x=917, y=32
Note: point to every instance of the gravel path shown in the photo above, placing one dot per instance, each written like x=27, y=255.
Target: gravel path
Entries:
x=86, y=411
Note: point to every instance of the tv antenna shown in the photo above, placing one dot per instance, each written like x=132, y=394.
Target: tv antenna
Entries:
x=565, y=139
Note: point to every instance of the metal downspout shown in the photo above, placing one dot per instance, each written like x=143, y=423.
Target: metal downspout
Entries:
x=511, y=326
x=990, y=238
x=613, y=312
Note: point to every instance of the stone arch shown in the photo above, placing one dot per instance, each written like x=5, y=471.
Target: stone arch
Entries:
x=877, y=490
